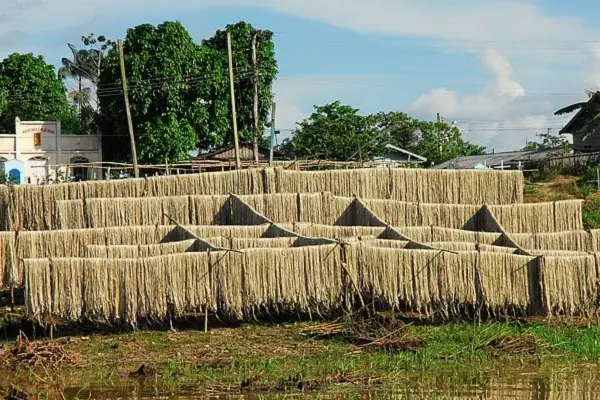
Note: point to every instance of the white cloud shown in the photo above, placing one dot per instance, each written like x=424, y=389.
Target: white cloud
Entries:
x=501, y=116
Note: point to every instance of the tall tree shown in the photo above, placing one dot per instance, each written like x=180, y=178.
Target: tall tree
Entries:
x=84, y=68
x=32, y=91
x=165, y=76
x=338, y=132
x=242, y=35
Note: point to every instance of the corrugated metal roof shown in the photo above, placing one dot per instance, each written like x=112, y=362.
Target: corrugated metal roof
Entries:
x=497, y=159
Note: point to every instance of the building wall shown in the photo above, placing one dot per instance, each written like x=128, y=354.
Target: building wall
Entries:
x=591, y=144
x=46, y=153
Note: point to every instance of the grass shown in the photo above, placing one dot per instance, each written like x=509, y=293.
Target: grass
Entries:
x=268, y=358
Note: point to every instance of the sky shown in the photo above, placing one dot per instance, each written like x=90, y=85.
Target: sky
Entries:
x=499, y=68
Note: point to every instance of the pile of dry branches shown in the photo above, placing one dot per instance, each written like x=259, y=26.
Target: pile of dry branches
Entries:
x=37, y=355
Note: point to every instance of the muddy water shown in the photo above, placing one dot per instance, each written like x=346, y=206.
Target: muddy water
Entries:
x=560, y=382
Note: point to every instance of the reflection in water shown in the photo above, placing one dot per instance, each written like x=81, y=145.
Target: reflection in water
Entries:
x=558, y=383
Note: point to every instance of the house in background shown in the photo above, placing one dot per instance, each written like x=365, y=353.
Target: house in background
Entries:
x=585, y=125
x=396, y=157
x=506, y=160
x=224, y=158
x=43, y=153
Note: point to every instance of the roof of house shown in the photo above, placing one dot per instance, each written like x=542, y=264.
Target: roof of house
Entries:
x=228, y=153
x=583, y=116
x=408, y=153
x=498, y=159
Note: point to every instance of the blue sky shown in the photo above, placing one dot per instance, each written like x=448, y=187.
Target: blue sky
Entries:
x=499, y=68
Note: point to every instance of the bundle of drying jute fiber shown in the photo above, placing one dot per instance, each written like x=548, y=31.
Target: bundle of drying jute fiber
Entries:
x=456, y=216
x=4, y=201
x=387, y=243
x=243, y=214
x=7, y=242
x=436, y=234
x=144, y=251
x=558, y=253
x=368, y=183
x=51, y=244
x=246, y=181
x=395, y=213
x=330, y=231
x=240, y=231
x=297, y=279
x=496, y=249
x=31, y=207
x=364, y=216
x=103, y=213
x=572, y=241
x=423, y=281
x=280, y=207
x=540, y=217
x=326, y=209
x=207, y=210
x=570, y=285
x=227, y=277
x=69, y=279
x=220, y=242
x=69, y=214
x=38, y=288
x=264, y=243
x=456, y=186
x=509, y=283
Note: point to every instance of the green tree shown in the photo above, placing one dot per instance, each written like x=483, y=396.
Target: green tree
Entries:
x=338, y=132
x=548, y=141
x=437, y=141
x=164, y=68
x=218, y=96
x=32, y=91
x=440, y=142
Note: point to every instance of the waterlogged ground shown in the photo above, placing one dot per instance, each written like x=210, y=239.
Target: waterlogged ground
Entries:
x=456, y=361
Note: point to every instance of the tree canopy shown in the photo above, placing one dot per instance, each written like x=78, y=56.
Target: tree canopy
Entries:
x=338, y=132
x=31, y=90
x=163, y=65
x=218, y=96
x=179, y=90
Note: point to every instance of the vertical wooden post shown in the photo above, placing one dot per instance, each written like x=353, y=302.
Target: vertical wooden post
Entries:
x=255, y=127
x=127, y=109
x=273, y=109
x=233, y=113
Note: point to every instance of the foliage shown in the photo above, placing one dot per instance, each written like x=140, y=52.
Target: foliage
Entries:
x=32, y=91
x=84, y=68
x=217, y=94
x=549, y=142
x=337, y=132
x=328, y=136
x=591, y=213
x=163, y=65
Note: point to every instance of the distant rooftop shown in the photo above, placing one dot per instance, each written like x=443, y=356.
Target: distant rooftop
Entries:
x=496, y=160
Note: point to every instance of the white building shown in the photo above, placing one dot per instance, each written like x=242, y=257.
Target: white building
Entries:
x=37, y=152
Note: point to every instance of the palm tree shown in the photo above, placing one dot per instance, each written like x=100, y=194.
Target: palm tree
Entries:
x=85, y=66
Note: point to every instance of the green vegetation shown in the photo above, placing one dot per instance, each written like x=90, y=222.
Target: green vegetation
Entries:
x=30, y=90
x=338, y=132
x=274, y=358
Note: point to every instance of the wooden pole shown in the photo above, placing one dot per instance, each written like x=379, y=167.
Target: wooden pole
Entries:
x=256, y=128
x=233, y=113
x=273, y=108
x=136, y=171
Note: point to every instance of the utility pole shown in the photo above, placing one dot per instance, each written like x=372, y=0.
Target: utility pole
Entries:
x=273, y=108
x=255, y=69
x=233, y=113
x=136, y=171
